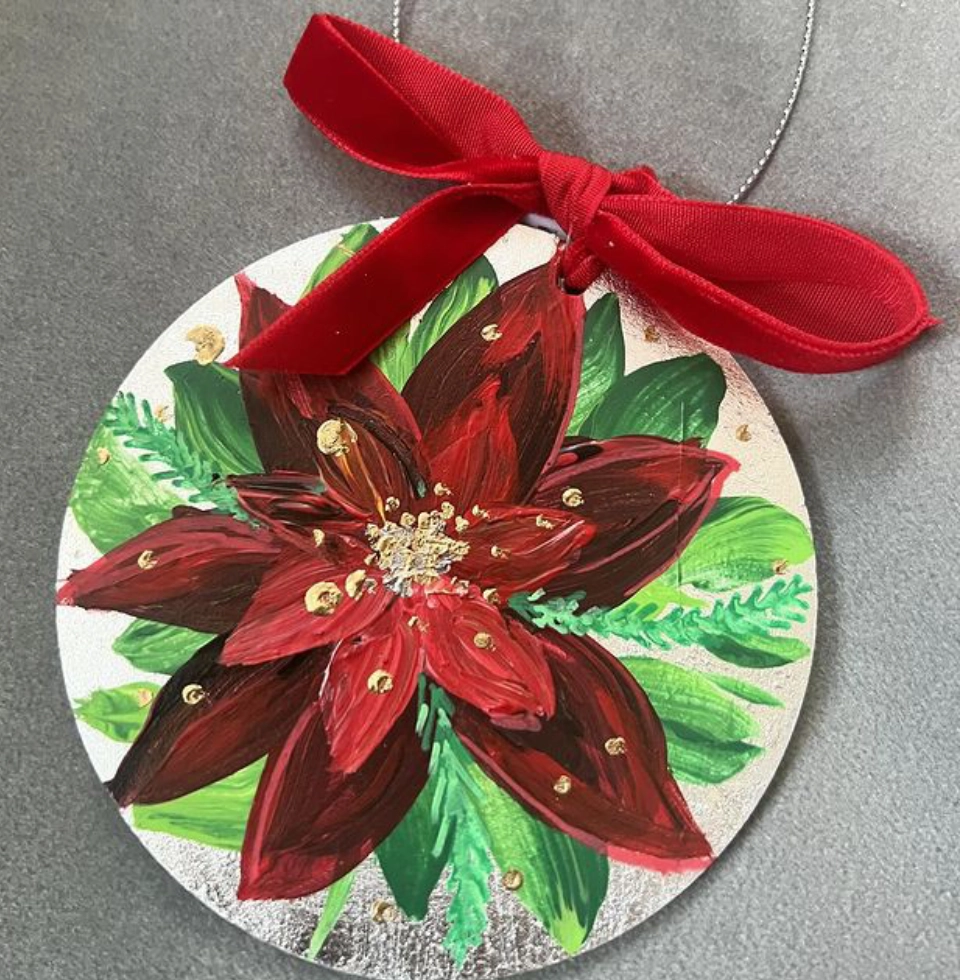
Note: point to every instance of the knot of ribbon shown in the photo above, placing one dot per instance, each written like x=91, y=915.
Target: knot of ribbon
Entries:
x=790, y=290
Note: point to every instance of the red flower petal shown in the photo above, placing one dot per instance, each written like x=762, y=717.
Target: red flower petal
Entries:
x=517, y=549
x=197, y=570
x=310, y=825
x=370, y=682
x=278, y=622
x=493, y=411
x=378, y=456
x=209, y=721
x=491, y=661
x=624, y=805
x=646, y=497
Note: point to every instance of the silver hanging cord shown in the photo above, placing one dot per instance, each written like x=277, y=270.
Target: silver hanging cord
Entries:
x=774, y=142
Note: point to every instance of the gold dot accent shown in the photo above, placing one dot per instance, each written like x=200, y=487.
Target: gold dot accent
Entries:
x=497, y=552
x=743, y=433
x=103, y=456
x=208, y=343
x=442, y=490
x=651, y=335
x=335, y=437
x=162, y=413
x=572, y=497
x=391, y=504
x=491, y=595
x=615, y=746
x=357, y=582
x=478, y=511
x=461, y=524
x=544, y=522
x=380, y=682
x=193, y=694
x=322, y=598
x=143, y=696
x=562, y=785
x=780, y=567
x=512, y=879
x=491, y=332
x=483, y=641
x=408, y=520
x=415, y=622
x=318, y=537
x=147, y=560
x=383, y=912
x=446, y=510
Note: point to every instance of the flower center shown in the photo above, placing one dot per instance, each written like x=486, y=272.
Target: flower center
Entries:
x=415, y=550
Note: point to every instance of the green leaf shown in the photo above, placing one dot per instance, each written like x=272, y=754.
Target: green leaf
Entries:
x=157, y=648
x=413, y=881
x=395, y=357
x=604, y=357
x=215, y=815
x=346, y=248
x=684, y=698
x=118, y=712
x=210, y=416
x=459, y=298
x=333, y=906
x=755, y=649
x=677, y=399
x=115, y=500
x=564, y=882
x=692, y=760
x=742, y=541
x=745, y=691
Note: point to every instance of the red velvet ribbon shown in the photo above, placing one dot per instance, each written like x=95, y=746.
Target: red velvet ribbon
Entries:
x=790, y=290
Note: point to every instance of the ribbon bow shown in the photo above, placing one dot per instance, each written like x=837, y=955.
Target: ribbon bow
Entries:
x=790, y=290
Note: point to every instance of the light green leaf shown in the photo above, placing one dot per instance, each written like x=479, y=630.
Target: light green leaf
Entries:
x=683, y=697
x=118, y=712
x=215, y=815
x=742, y=541
x=459, y=298
x=210, y=417
x=694, y=761
x=333, y=906
x=603, y=357
x=395, y=357
x=745, y=691
x=115, y=500
x=158, y=648
x=345, y=249
x=754, y=648
x=677, y=399
x=564, y=882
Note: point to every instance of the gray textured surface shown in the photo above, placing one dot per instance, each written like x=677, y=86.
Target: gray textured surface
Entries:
x=148, y=151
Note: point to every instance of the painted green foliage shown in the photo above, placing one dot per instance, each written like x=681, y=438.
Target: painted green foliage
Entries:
x=727, y=594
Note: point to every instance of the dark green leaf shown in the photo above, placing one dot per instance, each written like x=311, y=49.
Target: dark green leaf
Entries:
x=158, y=648
x=115, y=500
x=333, y=906
x=118, y=712
x=677, y=399
x=210, y=416
x=755, y=649
x=742, y=541
x=683, y=697
x=215, y=815
x=745, y=691
x=603, y=357
x=346, y=248
x=695, y=761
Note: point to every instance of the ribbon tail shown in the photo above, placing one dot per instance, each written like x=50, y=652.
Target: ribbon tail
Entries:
x=357, y=308
x=789, y=290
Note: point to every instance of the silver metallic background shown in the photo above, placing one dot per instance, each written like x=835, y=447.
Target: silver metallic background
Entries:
x=148, y=151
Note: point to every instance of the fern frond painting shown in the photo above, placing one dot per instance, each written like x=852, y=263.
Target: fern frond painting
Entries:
x=508, y=626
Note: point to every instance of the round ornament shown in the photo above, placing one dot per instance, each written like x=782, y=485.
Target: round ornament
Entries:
x=455, y=666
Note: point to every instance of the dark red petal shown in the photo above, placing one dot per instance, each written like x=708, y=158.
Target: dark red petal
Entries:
x=493, y=662
x=293, y=506
x=493, y=412
x=310, y=825
x=278, y=622
x=624, y=805
x=286, y=410
x=645, y=496
x=208, y=721
x=371, y=680
x=197, y=570
x=517, y=549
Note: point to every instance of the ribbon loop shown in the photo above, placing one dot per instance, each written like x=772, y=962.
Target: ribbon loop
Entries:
x=793, y=291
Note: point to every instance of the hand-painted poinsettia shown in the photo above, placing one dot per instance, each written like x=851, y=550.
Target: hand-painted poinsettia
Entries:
x=386, y=540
